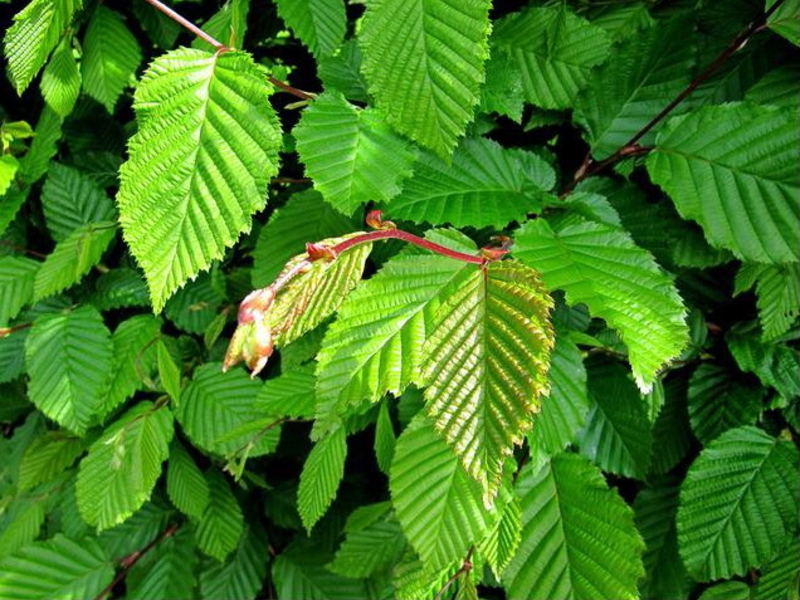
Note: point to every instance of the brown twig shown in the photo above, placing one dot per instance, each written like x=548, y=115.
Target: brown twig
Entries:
x=465, y=568
x=6, y=331
x=18, y=248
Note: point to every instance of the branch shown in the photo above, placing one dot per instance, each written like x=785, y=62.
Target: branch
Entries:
x=130, y=560
x=18, y=248
x=466, y=567
x=6, y=331
x=589, y=167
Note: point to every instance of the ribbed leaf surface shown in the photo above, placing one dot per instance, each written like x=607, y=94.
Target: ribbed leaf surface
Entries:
x=167, y=571
x=69, y=358
x=578, y=537
x=61, y=80
x=71, y=199
x=554, y=49
x=322, y=473
x=352, y=155
x=46, y=457
x=786, y=20
x=8, y=169
x=199, y=164
x=290, y=394
x=342, y=72
x=423, y=60
x=242, y=575
x=36, y=31
x=501, y=543
x=733, y=169
x=738, y=504
x=17, y=275
x=485, y=366
x=776, y=365
x=120, y=288
x=778, y=291
x=73, y=258
x=625, y=93
x=220, y=529
x=385, y=438
x=672, y=435
x=118, y=475
x=600, y=266
x=779, y=577
x=187, y=487
x=369, y=550
x=437, y=503
x=779, y=87
x=320, y=24
x=228, y=24
x=484, y=185
x=299, y=573
x=57, y=568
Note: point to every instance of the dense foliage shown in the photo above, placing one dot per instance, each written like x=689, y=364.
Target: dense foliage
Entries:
x=566, y=368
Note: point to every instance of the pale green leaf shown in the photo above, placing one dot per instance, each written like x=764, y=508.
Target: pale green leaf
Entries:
x=167, y=571
x=413, y=581
x=220, y=529
x=776, y=365
x=371, y=549
x=8, y=170
x=118, y=475
x=61, y=80
x=738, y=504
x=73, y=258
x=320, y=24
x=69, y=359
x=485, y=365
x=44, y=146
x=70, y=199
x=600, y=266
x=243, y=573
x=46, y=457
x=322, y=473
x=423, y=61
x=57, y=568
x=22, y=520
x=778, y=291
x=17, y=275
x=36, y=31
x=187, y=487
x=582, y=528
x=352, y=155
x=485, y=185
x=786, y=20
x=733, y=169
x=299, y=573
x=554, y=49
x=199, y=164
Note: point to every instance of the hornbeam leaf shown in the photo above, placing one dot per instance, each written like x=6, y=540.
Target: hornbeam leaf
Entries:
x=61, y=80
x=370, y=548
x=485, y=365
x=118, y=475
x=199, y=165
x=320, y=24
x=187, y=487
x=46, y=457
x=733, y=169
x=599, y=265
x=423, y=60
x=167, y=571
x=70, y=199
x=241, y=576
x=350, y=153
x=222, y=525
x=322, y=473
x=555, y=51
x=17, y=275
x=778, y=291
x=299, y=572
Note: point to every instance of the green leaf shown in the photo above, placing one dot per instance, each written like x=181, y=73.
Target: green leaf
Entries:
x=623, y=95
x=118, y=475
x=12, y=356
x=369, y=549
x=494, y=327
x=776, y=365
x=111, y=56
x=555, y=51
x=779, y=87
x=719, y=401
x=485, y=185
x=786, y=20
x=168, y=373
x=617, y=435
x=167, y=571
x=502, y=93
x=55, y=568
x=738, y=504
x=70, y=200
x=187, y=487
x=583, y=528
x=61, y=80
x=222, y=524
x=423, y=61
x=727, y=590
x=242, y=575
x=672, y=436
x=120, y=288
x=322, y=473
x=37, y=29
x=320, y=24
x=212, y=114
x=342, y=72
x=73, y=258
x=228, y=24
x=622, y=21
x=290, y=394
x=44, y=146
x=299, y=573
x=723, y=165
x=600, y=266
x=136, y=532
x=46, y=457
x=69, y=358
x=385, y=439
x=780, y=576
x=413, y=581
x=350, y=153
x=17, y=275
x=778, y=291
x=502, y=541
x=23, y=517
x=437, y=503
x=194, y=307
x=8, y=170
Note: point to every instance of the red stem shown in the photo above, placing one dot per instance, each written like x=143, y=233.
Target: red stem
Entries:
x=386, y=234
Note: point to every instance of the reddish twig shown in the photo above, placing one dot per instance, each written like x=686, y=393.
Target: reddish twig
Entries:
x=396, y=234
x=466, y=567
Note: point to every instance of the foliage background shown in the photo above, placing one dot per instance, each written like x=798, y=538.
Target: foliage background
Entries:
x=664, y=461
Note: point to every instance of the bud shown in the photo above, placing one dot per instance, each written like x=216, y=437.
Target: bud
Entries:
x=375, y=220
x=320, y=252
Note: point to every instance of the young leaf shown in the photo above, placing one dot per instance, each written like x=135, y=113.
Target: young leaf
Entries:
x=778, y=291
x=242, y=575
x=118, y=475
x=738, y=504
x=555, y=51
x=69, y=358
x=600, y=266
x=46, y=457
x=494, y=326
x=320, y=24
x=350, y=153
x=410, y=50
x=36, y=31
x=322, y=473
x=17, y=275
x=485, y=185
x=733, y=169
x=585, y=530
x=187, y=487
x=212, y=112
x=220, y=529
x=61, y=80
x=8, y=169
x=70, y=199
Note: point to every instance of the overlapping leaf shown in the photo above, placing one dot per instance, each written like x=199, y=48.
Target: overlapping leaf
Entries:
x=242, y=575
x=320, y=24
x=370, y=548
x=187, y=487
x=221, y=527
x=61, y=80
x=299, y=572
x=167, y=571
x=199, y=164
x=71, y=199
x=423, y=61
x=46, y=457
x=322, y=473
x=778, y=291
x=776, y=365
x=17, y=275
x=228, y=24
